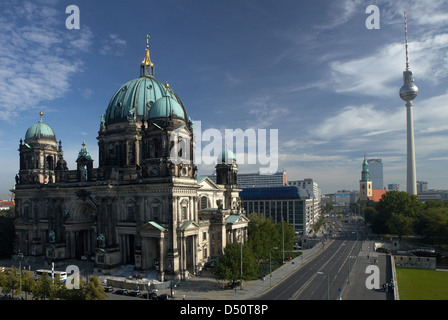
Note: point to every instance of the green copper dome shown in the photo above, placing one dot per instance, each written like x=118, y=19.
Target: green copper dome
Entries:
x=134, y=99
x=40, y=130
x=227, y=156
x=167, y=107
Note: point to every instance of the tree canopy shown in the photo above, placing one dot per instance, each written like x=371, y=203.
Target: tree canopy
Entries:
x=402, y=214
x=266, y=241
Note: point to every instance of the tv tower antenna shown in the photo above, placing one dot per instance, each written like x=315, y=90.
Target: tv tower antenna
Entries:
x=408, y=92
x=406, y=40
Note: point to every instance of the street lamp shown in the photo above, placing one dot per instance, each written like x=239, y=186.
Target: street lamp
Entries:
x=241, y=265
x=240, y=238
x=270, y=265
x=20, y=274
x=328, y=284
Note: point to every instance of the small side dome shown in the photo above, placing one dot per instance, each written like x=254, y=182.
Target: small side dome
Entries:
x=227, y=156
x=167, y=107
x=40, y=130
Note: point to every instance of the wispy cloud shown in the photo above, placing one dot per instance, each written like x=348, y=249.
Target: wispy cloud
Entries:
x=265, y=113
x=113, y=45
x=38, y=55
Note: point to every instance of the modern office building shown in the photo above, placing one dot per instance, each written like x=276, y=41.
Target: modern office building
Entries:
x=255, y=180
x=376, y=173
x=282, y=204
x=307, y=186
x=422, y=186
x=393, y=186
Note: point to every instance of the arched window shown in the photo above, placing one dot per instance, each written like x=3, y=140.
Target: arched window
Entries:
x=204, y=202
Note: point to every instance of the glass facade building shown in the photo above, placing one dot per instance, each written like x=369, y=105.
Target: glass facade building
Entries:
x=254, y=180
x=376, y=173
x=282, y=203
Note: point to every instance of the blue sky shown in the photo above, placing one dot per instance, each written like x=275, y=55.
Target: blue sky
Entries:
x=310, y=69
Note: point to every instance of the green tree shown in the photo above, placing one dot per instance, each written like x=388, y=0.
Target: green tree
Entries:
x=28, y=282
x=45, y=289
x=377, y=221
x=328, y=207
x=263, y=239
x=285, y=236
x=11, y=283
x=229, y=264
x=94, y=290
x=434, y=223
x=73, y=294
x=398, y=212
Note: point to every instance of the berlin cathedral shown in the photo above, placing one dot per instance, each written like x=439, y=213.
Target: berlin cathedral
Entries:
x=144, y=204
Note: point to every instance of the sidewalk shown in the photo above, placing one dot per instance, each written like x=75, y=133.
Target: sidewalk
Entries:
x=356, y=288
x=208, y=288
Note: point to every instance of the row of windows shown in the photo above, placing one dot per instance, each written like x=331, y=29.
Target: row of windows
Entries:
x=290, y=211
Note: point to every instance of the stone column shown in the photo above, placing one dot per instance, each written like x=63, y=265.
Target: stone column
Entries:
x=161, y=259
x=72, y=244
x=183, y=256
x=191, y=211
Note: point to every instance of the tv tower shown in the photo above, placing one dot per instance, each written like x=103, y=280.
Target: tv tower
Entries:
x=408, y=92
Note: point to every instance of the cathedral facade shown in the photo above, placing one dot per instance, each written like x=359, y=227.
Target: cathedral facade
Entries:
x=143, y=205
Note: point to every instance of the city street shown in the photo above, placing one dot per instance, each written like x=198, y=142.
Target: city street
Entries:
x=331, y=274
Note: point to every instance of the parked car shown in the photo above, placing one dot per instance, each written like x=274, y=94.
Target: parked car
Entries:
x=164, y=297
x=122, y=292
x=135, y=293
x=152, y=296
x=108, y=289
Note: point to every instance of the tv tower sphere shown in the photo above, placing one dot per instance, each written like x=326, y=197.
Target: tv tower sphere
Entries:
x=409, y=90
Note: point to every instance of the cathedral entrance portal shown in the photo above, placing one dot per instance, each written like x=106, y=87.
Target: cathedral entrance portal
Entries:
x=83, y=245
x=80, y=227
x=190, y=254
x=128, y=252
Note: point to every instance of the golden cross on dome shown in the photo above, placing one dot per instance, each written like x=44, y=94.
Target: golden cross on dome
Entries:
x=147, y=67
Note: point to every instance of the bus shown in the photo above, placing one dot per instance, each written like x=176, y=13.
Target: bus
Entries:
x=62, y=274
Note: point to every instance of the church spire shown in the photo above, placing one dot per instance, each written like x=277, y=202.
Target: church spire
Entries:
x=365, y=174
x=147, y=67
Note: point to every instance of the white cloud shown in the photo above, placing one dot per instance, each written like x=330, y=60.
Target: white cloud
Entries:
x=265, y=112
x=113, y=45
x=38, y=56
x=364, y=120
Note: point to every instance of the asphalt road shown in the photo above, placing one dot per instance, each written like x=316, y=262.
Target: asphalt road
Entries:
x=326, y=276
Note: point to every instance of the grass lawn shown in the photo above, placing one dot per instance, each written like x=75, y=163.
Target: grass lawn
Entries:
x=420, y=284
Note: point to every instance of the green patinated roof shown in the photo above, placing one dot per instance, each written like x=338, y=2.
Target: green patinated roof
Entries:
x=166, y=107
x=134, y=100
x=84, y=152
x=156, y=225
x=232, y=218
x=186, y=224
x=227, y=156
x=40, y=130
